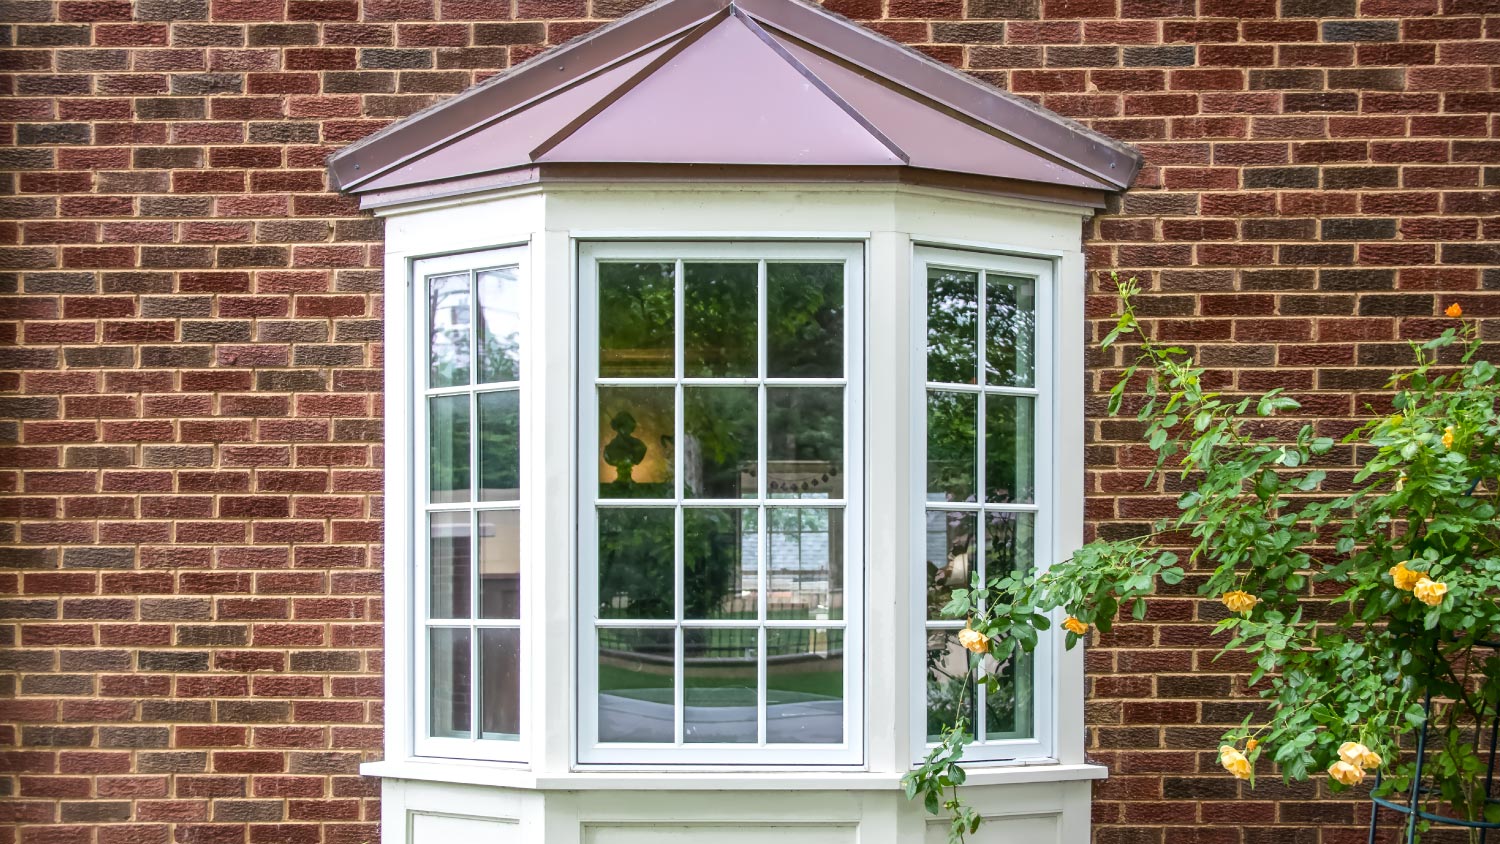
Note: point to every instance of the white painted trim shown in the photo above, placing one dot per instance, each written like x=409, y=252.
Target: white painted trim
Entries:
x=591, y=751
x=707, y=779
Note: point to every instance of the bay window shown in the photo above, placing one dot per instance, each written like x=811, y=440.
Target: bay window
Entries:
x=985, y=487
x=468, y=314
x=719, y=514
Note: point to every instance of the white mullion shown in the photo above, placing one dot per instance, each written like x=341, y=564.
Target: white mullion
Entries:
x=971, y=507
x=980, y=494
x=762, y=493
x=679, y=490
x=473, y=518
x=994, y=390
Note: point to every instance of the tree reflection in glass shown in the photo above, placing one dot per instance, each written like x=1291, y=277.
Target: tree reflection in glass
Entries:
x=719, y=314
x=1009, y=438
x=1010, y=331
x=636, y=562
x=636, y=317
x=721, y=443
x=448, y=317
x=805, y=320
x=952, y=444
x=952, y=326
x=720, y=566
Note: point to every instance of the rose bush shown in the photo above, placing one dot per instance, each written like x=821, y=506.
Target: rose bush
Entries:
x=1356, y=603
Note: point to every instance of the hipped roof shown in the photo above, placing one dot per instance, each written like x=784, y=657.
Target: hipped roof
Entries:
x=735, y=89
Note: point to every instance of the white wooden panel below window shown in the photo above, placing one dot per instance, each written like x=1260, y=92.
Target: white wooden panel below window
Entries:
x=428, y=828
x=722, y=834
x=1032, y=829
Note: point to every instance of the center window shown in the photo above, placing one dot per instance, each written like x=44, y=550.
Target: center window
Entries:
x=720, y=529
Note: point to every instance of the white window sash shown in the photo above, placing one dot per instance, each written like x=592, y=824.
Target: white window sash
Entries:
x=423, y=743
x=592, y=752
x=1039, y=748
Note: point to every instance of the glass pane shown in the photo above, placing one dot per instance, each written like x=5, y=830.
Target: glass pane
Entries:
x=500, y=666
x=1009, y=543
x=448, y=330
x=805, y=442
x=636, y=689
x=1008, y=710
x=806, y=576
x=448, y=437
x=450, y=689
x=450, y=566
x=952, y=445
x=635, y=320
x=950, y=557
x=720, y=449
x=500, y=564
x=719, y=683
x=719, y=559
x=635, y=562
x=805, y=686
x=952, y=326
x=499, y=445
x=1010, y=330
x=947, y=667
x=499, y=325
x=1009, y=434
x=805, y=320
x=719, y=311
x=636, y=425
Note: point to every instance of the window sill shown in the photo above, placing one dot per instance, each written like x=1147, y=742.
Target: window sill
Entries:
x=500, y=776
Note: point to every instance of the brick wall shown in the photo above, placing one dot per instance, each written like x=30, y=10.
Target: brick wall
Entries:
x=191, y=354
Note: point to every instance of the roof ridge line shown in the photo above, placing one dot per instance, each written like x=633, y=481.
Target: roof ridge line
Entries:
x=686, y=40
x=817, y=82
x=341, y=160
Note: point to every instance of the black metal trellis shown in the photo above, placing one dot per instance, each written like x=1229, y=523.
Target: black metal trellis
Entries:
x=1412, y=808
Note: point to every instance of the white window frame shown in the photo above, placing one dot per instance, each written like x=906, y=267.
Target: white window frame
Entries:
x=590, y=752
x=1041, y=747
x=423, y=742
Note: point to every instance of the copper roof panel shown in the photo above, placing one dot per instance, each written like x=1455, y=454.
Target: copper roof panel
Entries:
x=775, y=84
x=726, y=98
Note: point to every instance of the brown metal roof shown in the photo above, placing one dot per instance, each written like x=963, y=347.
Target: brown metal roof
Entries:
x=735, y=86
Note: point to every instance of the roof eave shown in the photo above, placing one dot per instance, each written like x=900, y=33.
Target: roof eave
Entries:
x=573, y=173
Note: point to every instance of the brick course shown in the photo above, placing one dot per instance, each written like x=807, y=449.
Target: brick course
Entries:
x=189, y=358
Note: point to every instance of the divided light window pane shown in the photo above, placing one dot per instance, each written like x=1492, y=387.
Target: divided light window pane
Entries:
x=472, y=408
x=981, y=485
x=720, y=513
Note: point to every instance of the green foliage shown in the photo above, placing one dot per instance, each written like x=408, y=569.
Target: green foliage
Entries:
x=1356, y=664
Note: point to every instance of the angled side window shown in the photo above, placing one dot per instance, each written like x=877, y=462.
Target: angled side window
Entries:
x=985, y=486
x=470, y=342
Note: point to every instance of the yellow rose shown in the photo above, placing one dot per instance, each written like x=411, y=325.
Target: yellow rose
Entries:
x=1239, y=601
x=1234, y=762
x=1352, y=752
x=973, y=640
x=1401, y=482
x=1404, y=577
x=1455, y=310
x=1346, y=773
x=1251, y=744
x=1073, y=625
x=1430, y=592
x=1370, y=761
x=1448, y=437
